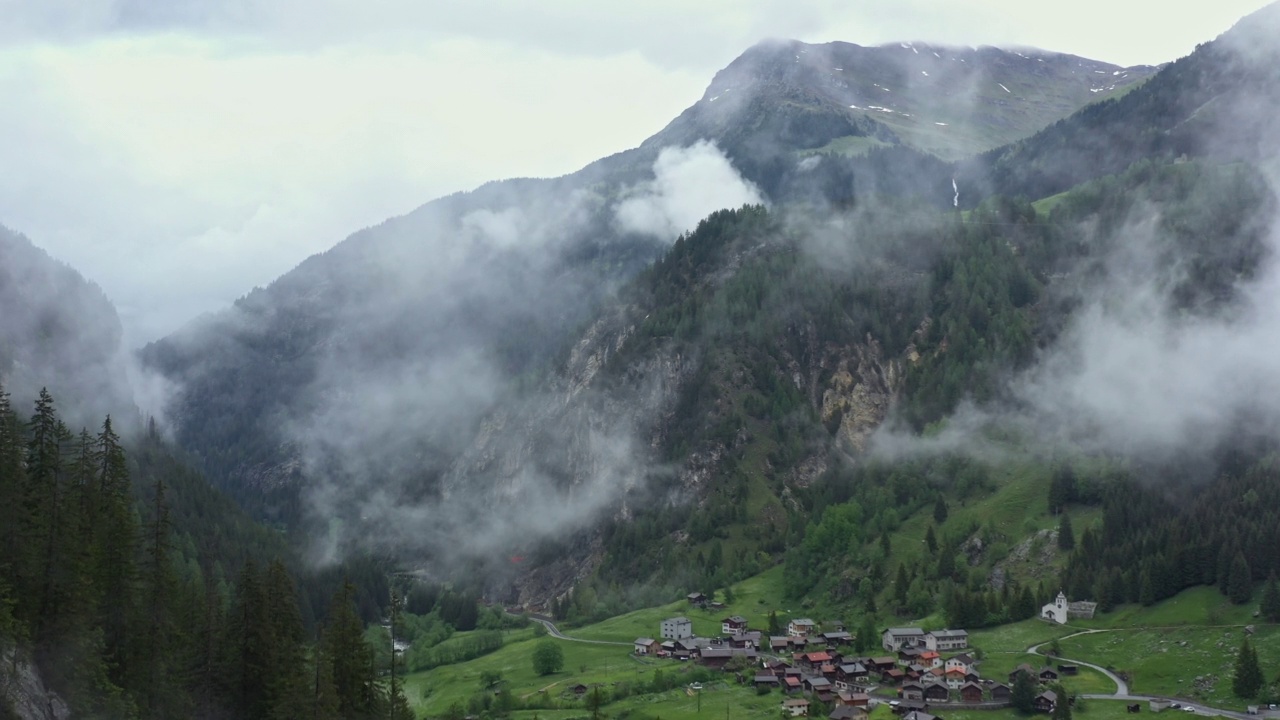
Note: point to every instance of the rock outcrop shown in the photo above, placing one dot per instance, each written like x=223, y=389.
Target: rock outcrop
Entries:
x=22, y=690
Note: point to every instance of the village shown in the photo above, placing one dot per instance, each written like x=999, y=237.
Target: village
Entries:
x=813, y=665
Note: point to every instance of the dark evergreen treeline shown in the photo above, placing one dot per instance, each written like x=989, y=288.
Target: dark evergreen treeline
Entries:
x=1152, y=545
x=128, y=614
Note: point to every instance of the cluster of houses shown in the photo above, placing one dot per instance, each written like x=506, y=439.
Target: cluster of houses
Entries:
x=917, y=669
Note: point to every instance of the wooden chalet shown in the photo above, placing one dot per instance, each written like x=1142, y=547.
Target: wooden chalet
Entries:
x=909, y=655
x=854, y=699
x=838, y=637
x=909, y=706
x=818, y=685
x=715, y=657
x=1045, y=702
x=1001, y=693
x=814, y=660
x=971, y=692
x=893, y=677
x=912, y=691
x=647, y=646
x=1023, y=668
x=847, y=712
x=881, y=663
x=797, y=707
x=768, y=680
x=936, y=693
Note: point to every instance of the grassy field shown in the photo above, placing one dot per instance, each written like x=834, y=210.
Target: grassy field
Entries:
x=1168, y=661
x=753, y=599
x=1196, y=606
x=1088, y=710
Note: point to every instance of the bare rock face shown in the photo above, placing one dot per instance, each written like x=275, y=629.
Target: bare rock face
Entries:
x=860, y=392
x=23, y=690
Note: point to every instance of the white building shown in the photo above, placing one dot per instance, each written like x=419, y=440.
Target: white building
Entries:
x=894, y=639
x=946, y=640
x=677, y=628
x=1056, y=611
x=800, y=627
x=1060, y=611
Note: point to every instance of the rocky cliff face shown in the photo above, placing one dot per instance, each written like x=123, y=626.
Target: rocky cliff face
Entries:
x=860, y=393
x=23, y=690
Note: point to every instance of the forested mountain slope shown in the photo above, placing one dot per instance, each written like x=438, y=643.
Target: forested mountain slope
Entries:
x=504, y=276
x=59, y=330
x=1217, y=102
x=526, y=368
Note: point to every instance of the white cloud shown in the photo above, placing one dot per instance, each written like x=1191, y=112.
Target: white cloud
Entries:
x=179, y=173
x=180, y=153
x=689, y=184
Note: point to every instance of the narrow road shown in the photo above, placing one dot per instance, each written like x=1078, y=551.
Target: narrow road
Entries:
x=554, y=632
x=1122, y=687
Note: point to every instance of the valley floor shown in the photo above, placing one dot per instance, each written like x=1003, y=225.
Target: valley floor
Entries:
x=1182, y=648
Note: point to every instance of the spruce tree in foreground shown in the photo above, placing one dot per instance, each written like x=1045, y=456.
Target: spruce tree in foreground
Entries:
x=1023, y=694
x=1247, y=680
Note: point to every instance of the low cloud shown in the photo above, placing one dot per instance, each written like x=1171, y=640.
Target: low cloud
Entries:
x=689, y=184
x=1134, y=373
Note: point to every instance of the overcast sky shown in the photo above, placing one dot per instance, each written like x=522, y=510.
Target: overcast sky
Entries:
x=180, y=153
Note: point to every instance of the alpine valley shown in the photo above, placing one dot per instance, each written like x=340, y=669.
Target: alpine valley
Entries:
x=959, y=352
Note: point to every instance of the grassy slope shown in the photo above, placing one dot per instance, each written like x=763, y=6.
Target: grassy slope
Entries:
x=754, y=598
x=1166, y=647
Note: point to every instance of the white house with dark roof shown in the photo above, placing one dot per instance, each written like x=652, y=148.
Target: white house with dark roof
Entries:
x=894, y=639
x=800, y=627
x=733, y=625
x=677, y=628
x=947, y=640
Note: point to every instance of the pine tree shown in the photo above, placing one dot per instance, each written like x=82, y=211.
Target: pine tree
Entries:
x=155, y=660
x=867, y=636
x=900, y=586
x=1146, y=588
x=1062, y=489
x=114, y=546
x=1066, y=537
x=287, y=687
x=1062, y=708
x=1247, y=679
x=1240, y=584
x=1023, y=693
x=940, y=510
x=351, y=658
x=931, y=540
x=1270, y=607
x=12, y=486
